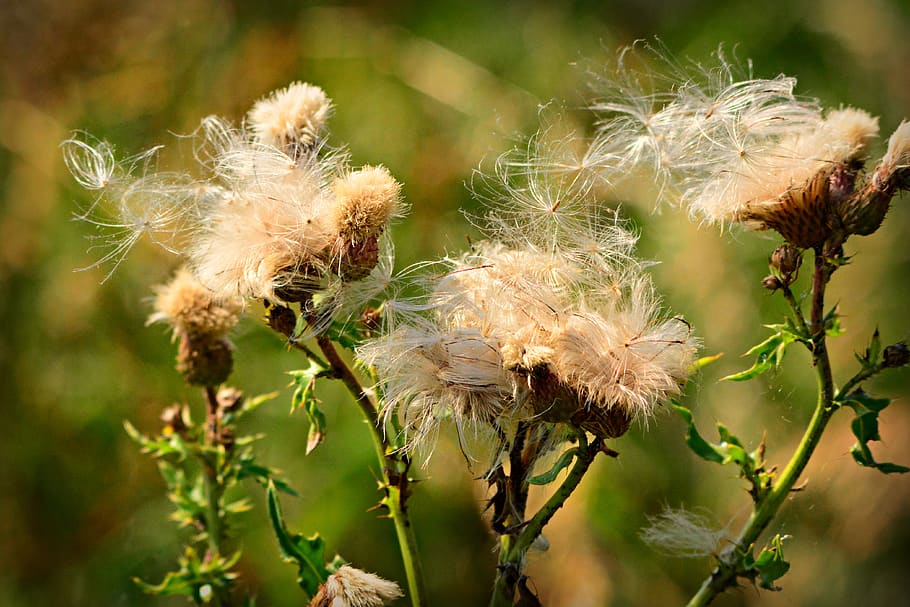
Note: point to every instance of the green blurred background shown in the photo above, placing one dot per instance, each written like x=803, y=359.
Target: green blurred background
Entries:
x=429, y=89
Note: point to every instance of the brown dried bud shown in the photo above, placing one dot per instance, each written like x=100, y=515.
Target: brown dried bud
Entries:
x=802, y=215
x=357, y=260
x=554, y=401
x=785, y=262
x=229, y=399
x=864, y=212
x=281, y=318
x=176, y=418
x=772, y=283
x=371, y=319
x=896, y=355
x=297, y=285
x=204, y=362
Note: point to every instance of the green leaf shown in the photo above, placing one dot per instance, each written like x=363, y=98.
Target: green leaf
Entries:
x=304, y=398
x=696, y=443
x=174, y=583
x=768, y=354
x=770, y=564
x=307, y=553
x=874, y=351
x=865, y=426
x=832, y=324
x=561, y=464
x=704, y=361
x=866, y=401
x=865, y=429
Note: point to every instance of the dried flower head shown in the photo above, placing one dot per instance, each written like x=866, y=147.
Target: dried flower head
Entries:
x=740, y=149
x=201, y=323
x=524, y=334
x=365, y=201
x=350, y=587
x=266, y=240
x=429, y=375
x=295, y=115
x=189, y=307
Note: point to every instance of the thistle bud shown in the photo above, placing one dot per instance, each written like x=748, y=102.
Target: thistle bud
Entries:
x=554, y=401
x=204, y=362
x=292, y=118
x=176, y=419
x=281, y=319
x=785, y=262
x=772, y=283
x=863, y=212
x=230, y=399
x=201, y=323
x=896, y=355
x=357, y=260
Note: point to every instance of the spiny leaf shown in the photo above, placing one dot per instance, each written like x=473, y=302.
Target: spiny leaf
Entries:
x=770, y=564
x=307, y=553
x=865, y=429
x=304, y=398
x=696, y=443
x=768, y=354
x=704, y=361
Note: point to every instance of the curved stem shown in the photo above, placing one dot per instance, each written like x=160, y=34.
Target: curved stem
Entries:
x=512, y=548
x=724, y=576
x=394, y=464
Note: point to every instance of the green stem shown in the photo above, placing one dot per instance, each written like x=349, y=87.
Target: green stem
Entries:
x=724, y=576
x=395, y=465
x=214, y=527
x=512, y=548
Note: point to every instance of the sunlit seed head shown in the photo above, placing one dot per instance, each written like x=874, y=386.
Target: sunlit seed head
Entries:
x=293, y=115
x=897, y=157
x=189, y=307
x=364, y=202
x=846, y=134
x=264, y=239
x=350, y=587
x=630, y=360
x=429, y=376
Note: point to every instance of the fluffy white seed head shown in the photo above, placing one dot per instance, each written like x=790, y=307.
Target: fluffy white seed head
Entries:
x=191, y=308
x=293, y=115
x=350, y=587
x=429, y=375
x=258, y=242
x=898, y=153
x=364, y=202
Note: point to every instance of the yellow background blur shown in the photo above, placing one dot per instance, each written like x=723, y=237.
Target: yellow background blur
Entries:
x=429, y=89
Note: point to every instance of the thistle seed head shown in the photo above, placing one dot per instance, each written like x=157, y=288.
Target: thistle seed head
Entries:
x=191, y=308
x=292, y=116
x=350, y=587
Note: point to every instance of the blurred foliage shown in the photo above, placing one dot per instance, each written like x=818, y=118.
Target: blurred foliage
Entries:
x=430, y=89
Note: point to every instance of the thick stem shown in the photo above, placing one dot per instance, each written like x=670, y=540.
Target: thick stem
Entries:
x=394, y=464
x=724, y=576
x=513, y=548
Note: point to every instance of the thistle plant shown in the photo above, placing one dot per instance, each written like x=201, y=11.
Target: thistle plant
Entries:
x=539, y=347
